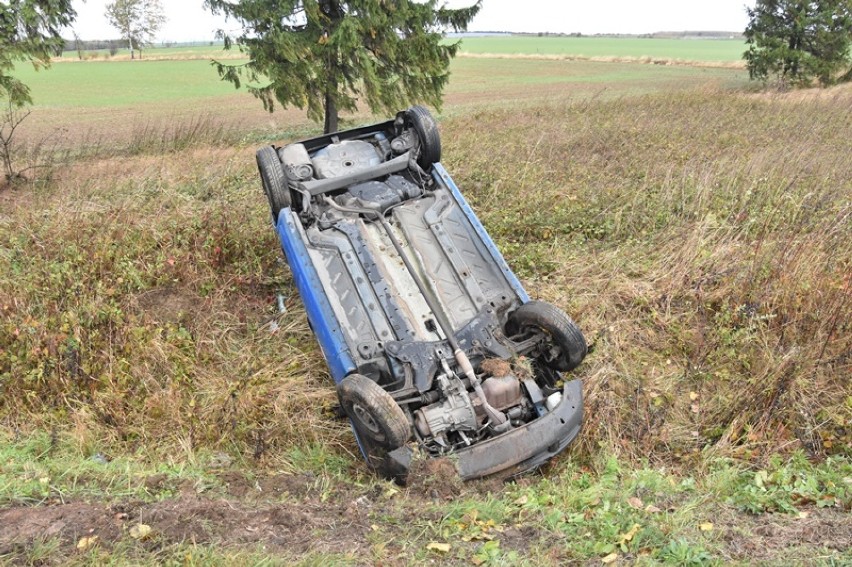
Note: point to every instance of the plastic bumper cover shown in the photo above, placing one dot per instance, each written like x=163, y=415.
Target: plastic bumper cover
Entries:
x=521, y=449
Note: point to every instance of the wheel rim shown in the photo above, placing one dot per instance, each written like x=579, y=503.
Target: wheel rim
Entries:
x=366, y=419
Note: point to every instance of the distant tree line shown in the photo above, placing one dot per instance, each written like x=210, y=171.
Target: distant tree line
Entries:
x=79, y=45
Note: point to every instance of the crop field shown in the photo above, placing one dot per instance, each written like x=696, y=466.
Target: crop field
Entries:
x=116, y=101
x=699, y=50
x=156, y=407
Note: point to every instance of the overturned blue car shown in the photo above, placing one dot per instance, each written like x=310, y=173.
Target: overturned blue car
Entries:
x=435, y=347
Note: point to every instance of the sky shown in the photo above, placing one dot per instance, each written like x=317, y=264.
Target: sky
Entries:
x=189, y=21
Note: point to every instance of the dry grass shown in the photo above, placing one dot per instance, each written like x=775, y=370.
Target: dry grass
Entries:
x=702, y=241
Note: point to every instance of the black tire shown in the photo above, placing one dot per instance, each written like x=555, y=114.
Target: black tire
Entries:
x=569, y=343
x=374, y=412
x=273, y=179
x=427, y=131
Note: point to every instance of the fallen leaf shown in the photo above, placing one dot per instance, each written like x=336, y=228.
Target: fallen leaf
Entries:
x=693, y=396
x=87, y=542
x=652, y=509
x=803, y=515
x=140, y=531
x=695, y=408
x=706, y=526
x=522, y=500
x=635, y=502
x=609, y=558
x=435, y=546
x=630, y=534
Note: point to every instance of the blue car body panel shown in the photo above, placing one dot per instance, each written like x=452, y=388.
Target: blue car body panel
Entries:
x=320, y=314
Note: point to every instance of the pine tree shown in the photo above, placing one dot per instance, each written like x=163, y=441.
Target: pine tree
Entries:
x=327, y=55
x=800, y=41
x=29, y=32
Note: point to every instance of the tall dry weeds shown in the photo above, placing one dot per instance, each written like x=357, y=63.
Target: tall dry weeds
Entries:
x=704, y=241
x=701, y=240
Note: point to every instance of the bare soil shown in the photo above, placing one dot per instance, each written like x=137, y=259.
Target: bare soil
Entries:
x=764, y=537
x=169, y=304
x=296, y=527
x=299, y=521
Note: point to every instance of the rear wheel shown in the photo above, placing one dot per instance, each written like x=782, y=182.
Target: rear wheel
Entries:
x=427, y=131
x=568, y=346
x=273, y=179
x=374, y=412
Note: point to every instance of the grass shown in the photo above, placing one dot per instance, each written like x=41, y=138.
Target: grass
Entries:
x=673, y=49
x=117, y=102
x=628, y=511
x=109, y=84
x=703, y=50
x=152, y=83
x=699, y=236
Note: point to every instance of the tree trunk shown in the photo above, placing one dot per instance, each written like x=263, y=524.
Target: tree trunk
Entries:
x=131, y=48
x=331, y=8
x=330, y=113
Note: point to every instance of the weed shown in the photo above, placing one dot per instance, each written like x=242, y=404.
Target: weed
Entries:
x=700, y=239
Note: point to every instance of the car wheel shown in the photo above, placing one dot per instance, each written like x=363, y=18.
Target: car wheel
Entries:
x=374, y=412
x=427, y=131
x=568, y=344
x=273, y=179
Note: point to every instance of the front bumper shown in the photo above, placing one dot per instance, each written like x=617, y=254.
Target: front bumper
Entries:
x=516, y=451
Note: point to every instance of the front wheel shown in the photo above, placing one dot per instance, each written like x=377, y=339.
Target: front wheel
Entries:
x=427, y=132
x=273, y=179
x=568, y=346
x=374, y=412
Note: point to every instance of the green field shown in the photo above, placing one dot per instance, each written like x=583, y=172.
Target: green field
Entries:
x=114, y=98
x=106, y=84
x=696, y=230
x=707, y=50
x=683, y=49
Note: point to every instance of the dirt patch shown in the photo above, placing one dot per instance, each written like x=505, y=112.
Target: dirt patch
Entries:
x=434, y=478
x=292, y=527
x=155, y=481
x=295, y=527
x=764, y=537
x=169, y=304
x=241, y=486
x=20, y=527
